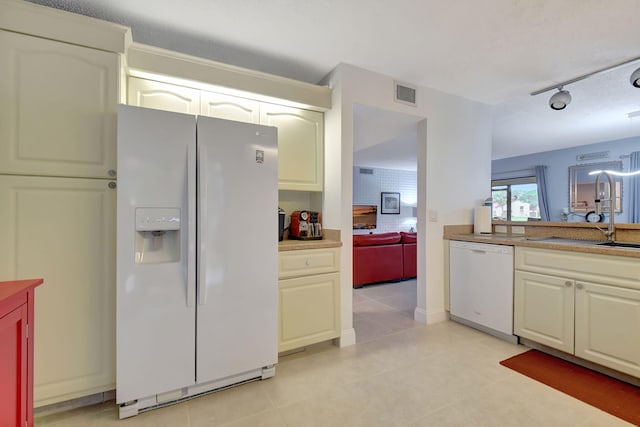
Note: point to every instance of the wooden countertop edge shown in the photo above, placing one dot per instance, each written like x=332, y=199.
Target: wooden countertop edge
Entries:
x=520, y=240
x=295, y=245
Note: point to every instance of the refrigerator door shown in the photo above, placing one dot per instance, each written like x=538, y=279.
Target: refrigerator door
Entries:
x=155, y=252
x=237, y=248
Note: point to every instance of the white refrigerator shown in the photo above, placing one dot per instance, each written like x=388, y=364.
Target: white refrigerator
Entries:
x=197, y=289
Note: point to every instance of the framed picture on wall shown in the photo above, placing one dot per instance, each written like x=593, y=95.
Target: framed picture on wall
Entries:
x=390, y=203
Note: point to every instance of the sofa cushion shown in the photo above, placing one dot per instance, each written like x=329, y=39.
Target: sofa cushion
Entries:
x=376, y=239
x=377, y=263
x=409, y=237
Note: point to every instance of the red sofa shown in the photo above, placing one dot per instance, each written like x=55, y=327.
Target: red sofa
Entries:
x=409, y=255
x=381, y=257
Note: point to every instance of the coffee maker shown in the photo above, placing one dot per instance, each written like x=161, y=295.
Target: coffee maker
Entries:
x=305, y=225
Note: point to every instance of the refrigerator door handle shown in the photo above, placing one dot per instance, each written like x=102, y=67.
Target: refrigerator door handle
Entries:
x=202, y=224
x=191, y=227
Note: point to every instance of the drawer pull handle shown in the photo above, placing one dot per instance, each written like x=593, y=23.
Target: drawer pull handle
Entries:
x=307, y=262
x=579, y=286
x=568, y=283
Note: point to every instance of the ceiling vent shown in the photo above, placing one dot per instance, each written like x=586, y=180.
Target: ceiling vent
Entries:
x=366, y=171
x=405, y=94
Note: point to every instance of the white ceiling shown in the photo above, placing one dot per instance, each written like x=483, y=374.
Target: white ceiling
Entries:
x=491, y=51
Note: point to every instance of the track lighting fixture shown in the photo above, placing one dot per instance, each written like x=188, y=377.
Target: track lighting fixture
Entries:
x=560, y=100
x=635, y=78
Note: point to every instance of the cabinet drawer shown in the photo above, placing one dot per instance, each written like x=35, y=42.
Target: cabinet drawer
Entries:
x=307, y=262
x=614, y=270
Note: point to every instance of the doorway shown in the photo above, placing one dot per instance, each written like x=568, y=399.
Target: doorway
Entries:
x=385, y=161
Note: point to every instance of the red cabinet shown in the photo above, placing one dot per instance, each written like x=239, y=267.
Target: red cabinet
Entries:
x=16, y=352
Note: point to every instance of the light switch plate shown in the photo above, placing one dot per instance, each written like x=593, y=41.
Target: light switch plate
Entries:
x=433, y=215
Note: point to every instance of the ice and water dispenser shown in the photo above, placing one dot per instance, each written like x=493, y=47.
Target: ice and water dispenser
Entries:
x=157, y=235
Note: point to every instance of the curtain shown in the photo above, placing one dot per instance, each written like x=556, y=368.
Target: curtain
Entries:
x=634, y=188
x=543, y=200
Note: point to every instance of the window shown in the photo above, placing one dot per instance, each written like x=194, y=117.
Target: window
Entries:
x=515, y=199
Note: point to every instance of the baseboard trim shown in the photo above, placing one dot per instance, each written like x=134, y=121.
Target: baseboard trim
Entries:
x=437, y=316
x=420, y=315
x=79, y=402
x=347, y=338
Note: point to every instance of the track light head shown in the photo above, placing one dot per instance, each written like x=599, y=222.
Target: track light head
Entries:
x=635, y=78
x=560, y=100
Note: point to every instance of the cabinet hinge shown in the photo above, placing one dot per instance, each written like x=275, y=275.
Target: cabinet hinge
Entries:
x=27, y=331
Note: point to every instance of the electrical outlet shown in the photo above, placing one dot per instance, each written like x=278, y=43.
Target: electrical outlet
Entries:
x=433, y=215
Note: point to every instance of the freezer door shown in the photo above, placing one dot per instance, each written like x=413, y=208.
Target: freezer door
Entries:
x=156, y=252
x=237, y=307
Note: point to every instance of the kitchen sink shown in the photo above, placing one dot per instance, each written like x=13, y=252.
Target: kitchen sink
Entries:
x=630, y=245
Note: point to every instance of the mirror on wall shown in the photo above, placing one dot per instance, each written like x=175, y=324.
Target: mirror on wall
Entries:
x=582, y=186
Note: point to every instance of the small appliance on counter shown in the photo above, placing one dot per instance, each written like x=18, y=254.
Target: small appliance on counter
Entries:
x=482, y=218
x=280, y=224
x=305, y=225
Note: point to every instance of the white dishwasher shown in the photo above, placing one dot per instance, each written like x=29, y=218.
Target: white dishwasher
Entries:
x=481, y=287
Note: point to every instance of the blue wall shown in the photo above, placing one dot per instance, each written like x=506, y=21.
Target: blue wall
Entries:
x=558, y=162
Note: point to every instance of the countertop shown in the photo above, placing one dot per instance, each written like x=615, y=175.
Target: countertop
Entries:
x=295, y=245
x=331, y=239
x=561, y=244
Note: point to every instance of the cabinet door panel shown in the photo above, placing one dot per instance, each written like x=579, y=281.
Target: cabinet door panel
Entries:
x=300, y=146
x=63, y=229
x=544, y=309
x=229, y=107
x=607, y=323
x=163, y=96
x=309, y=310
x=58, y=108
x=13, y=367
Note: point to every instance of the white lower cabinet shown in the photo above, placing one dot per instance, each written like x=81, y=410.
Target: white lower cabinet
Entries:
x=588, y=306
x=543, y=309
x=63, y=230
x=607, y=324
x=309, y=297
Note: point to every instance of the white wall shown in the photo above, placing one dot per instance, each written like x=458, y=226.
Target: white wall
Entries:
x=367, y=189
x=454, y=174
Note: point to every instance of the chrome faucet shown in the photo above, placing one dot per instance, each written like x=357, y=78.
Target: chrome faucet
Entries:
x=611, y=230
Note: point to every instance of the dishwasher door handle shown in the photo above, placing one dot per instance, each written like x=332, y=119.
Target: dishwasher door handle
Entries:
x=478, y=251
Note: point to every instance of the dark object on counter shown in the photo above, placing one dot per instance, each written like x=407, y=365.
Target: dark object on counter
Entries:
x=280, y=225
x=305, y=225
x=593, y=216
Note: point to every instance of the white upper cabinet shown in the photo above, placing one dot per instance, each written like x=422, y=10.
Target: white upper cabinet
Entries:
x=58, y=108
x=229, y=107
x=300, y=132
x=163, y=96
x=300, y=146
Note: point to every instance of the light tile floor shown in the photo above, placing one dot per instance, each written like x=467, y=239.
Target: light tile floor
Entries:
x=400, y=373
